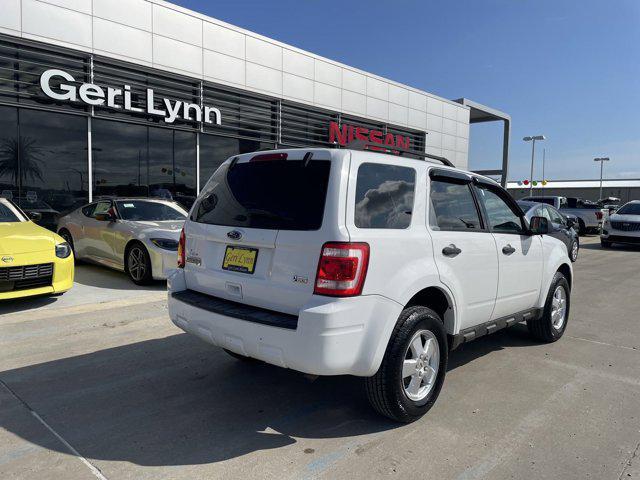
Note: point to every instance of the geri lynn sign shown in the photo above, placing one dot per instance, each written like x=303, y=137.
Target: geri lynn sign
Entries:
x=121, y=98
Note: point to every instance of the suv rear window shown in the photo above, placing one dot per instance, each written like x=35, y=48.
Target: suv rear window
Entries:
x=384, y=196
x=272, y=194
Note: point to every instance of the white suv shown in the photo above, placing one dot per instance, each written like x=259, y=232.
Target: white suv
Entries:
x=336, y=262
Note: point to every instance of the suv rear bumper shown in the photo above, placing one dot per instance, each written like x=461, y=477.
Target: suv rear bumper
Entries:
x=334, y=336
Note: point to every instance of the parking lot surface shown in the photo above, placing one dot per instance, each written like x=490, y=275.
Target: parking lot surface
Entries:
x=100, y=384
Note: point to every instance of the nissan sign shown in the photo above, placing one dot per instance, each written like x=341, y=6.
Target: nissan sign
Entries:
x=120, y=98
x=345, y=134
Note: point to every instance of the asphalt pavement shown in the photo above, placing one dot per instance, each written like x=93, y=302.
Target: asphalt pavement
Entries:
x=99, y=384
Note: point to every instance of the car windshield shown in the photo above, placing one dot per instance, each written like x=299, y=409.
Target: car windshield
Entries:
x=9, y=213
x=630, y=209
x=141, y=210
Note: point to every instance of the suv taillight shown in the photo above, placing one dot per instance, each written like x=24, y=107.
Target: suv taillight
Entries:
x=181, y=249
x=342, y=269
x=599, y=215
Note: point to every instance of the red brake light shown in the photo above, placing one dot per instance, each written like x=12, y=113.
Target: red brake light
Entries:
x=599, y=215
x=342, y=269
x=181, y=249
x=268, y=157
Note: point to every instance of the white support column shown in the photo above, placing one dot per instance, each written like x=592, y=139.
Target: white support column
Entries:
x=198, y=163
x=90, y=159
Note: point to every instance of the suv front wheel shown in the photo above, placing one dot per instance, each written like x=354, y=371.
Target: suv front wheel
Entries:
x=553, y=321
x=412, y=372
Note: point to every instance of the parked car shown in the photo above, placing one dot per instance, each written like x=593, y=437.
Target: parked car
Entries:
x=48, y=216
x=623, y=226
x=136, y=235
x=561, y=226
x=589, y=213
x=345, y=262
x=33, y=260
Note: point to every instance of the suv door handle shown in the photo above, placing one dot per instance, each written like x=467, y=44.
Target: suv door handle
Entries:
x=508, y=249
x=451, y=251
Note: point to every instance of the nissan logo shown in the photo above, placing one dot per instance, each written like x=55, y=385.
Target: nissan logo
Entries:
x=7, y=259
x=234, y=235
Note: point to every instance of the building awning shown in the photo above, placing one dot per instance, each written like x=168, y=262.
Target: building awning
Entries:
x=479, y=113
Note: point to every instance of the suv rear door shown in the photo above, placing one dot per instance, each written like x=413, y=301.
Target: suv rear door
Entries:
x=464, y=250
x=255, y=233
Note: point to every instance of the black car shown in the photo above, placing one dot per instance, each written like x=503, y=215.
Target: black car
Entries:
x=560, y=225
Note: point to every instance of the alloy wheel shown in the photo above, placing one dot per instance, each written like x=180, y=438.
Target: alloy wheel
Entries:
x=421, y=364
x=137, y=264
x=559, y=307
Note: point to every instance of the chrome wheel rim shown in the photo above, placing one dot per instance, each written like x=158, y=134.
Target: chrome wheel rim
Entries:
x=559, y=307
x=420, y=366
x=136, y=264
x=574, y=250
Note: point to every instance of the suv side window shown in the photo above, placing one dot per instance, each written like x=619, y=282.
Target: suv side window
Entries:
x=384, y=196
x=452, y=207
x=501, y=216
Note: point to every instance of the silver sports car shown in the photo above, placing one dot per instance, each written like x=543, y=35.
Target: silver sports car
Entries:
x=136, y=235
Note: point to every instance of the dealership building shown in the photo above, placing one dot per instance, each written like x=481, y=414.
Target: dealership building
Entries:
x=145, y=98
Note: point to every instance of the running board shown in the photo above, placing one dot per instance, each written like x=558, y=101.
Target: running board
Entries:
x=492, y=326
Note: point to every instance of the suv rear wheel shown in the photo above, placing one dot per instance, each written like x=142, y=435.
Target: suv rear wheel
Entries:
x=553, y=322
x=412, y=372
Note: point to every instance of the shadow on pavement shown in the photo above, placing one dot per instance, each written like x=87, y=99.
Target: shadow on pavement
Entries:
x=515, y=336
x=178, y=401
x=25, y=304
x=102, y=277
x=613, y=248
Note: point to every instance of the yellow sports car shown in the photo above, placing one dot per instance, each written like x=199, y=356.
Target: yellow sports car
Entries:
x=33, y=260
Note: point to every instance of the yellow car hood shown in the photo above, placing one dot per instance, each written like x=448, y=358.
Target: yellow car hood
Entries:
x=26, y=237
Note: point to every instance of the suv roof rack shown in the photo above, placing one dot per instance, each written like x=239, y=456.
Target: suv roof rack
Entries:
x=378, y=147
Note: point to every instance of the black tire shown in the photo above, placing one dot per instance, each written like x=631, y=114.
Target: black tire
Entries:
x=543, y=328
x=605, y=244
x=573, y=254
x=386, y=389
x=66, y=234
x=242, y=358
x=138, y=264
x=582, y=229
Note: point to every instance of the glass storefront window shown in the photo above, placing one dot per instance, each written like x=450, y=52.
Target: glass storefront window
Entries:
x=9, y=167
x=43, y=161
x=139, y=161
x=214, y=150
x=172, y=165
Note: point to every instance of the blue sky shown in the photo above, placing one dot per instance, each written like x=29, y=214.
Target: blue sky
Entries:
x=567, y=69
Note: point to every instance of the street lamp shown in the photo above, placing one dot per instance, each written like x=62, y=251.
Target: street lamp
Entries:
x=601, y=160
x=533, y=152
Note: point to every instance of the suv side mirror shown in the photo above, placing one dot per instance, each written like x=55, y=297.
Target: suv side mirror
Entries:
x=539, y=225
x=570, y=222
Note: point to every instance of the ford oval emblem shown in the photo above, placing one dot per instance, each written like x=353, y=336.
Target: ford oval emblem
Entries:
x=234, y=235
x=7, y=259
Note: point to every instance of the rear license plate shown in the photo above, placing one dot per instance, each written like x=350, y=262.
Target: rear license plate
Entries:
x=240, y=259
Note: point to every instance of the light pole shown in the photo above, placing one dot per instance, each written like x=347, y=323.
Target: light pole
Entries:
x=601, y=160
x=533, y=152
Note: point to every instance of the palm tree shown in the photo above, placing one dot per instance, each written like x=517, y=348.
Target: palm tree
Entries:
x=20, y=159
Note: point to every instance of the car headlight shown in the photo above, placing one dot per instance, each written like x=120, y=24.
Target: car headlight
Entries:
x=63, y=250
x=165, y=243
